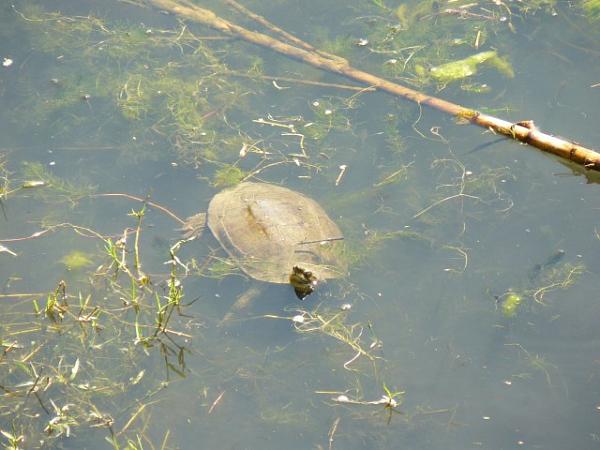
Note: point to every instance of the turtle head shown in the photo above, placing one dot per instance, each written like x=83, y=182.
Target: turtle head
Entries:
x=303, y=281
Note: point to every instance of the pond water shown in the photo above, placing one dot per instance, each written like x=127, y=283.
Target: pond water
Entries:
x=468, y=318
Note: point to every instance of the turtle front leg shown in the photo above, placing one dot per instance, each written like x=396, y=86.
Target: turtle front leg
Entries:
x=194, y=226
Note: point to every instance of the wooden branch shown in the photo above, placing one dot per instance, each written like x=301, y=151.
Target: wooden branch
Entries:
x=284, y=34
x=522, y=131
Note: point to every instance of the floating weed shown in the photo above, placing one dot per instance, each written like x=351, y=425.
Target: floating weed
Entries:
x=537, y=362
x=332, y=323
x=390, y=400
x=561, y=277
x=52, y=354
x=478, y=188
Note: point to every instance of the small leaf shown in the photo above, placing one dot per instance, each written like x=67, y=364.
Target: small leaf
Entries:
x=135, y=380
x=74, y=369
x=7, y=435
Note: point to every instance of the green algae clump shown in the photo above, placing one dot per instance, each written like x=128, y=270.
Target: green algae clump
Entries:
x=464, y=68
x=76, y=260
x=511, y=304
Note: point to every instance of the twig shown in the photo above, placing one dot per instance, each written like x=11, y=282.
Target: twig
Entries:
x=332, y=431
x=300, y=81
x=275, y=29
x=143, y=200
x=216, y=402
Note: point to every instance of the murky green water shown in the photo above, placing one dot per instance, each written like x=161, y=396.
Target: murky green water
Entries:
x=473, y=285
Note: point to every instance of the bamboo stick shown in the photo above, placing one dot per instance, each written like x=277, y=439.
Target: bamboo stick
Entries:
x=522, y=131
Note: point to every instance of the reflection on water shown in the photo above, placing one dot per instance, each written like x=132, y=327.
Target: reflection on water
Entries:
x=468, y=315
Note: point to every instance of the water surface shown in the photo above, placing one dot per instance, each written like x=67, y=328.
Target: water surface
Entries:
x=435, y=253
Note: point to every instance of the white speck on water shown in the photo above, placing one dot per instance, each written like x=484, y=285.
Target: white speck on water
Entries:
x=298, y=319
x=7, y=62
x=52, y=163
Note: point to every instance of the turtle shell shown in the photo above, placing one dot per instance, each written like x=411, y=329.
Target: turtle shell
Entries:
x=268, y=230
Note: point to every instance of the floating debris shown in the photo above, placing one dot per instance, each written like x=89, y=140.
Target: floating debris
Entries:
x=4, y=249
x=298, y=318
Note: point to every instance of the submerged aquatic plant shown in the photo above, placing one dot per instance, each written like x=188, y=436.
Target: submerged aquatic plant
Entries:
x=592, y=10
x=54, y=188
x=227, y=176
x=121, y=314
x=121, y=68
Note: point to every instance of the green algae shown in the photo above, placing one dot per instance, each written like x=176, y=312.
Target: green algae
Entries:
x=76, y=260
x=510, y=304
x=227, y=176
x=467, y=67
x=592, y=10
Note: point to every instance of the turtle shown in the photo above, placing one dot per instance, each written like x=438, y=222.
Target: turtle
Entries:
x=274, y=234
